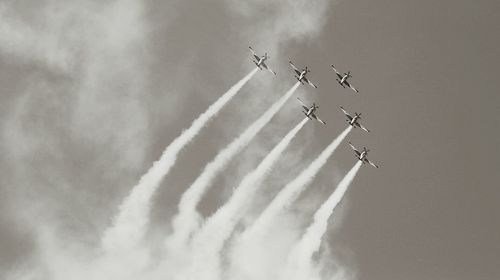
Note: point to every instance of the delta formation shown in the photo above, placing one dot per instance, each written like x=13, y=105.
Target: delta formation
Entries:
x=310, y=111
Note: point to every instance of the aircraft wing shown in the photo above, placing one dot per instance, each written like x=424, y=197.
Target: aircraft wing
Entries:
x=294, y=68
x=354, y=148
x=345, y=112
x=349, y=85
x=253, y=52
x=372, y=164
x=318, y=119
x=302, y=102
x=267, y=67
x=363, y=128
x=309, y=82
x=337, y=72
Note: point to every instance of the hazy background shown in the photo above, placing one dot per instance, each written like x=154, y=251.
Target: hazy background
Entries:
x=92, y=92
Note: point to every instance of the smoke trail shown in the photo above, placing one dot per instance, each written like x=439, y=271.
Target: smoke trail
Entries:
x=301, y=256
x=292, y=190
x=210, y=240
x=130, y=224
x=187, y=219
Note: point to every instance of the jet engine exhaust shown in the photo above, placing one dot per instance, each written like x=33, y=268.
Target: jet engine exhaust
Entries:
x=186, y=221
x=300, y=259
x=131, y=222
x=218, y=228
x=292, y=190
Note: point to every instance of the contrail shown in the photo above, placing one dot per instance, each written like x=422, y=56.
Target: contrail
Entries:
x=292, y=190
x=187, y=219
x=130, y=224
x=301, y=254
x=210, y=240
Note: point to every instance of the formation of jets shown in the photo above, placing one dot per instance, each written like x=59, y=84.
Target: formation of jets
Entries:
x=310, y=111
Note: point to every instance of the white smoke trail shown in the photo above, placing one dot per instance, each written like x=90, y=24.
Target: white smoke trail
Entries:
x=187, y=219
x=292, y=190
x=300, y=260
x=130, y=224
x=210, y=240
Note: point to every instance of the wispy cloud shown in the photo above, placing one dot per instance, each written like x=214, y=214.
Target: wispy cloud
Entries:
x=78, y=122
x=81, y=127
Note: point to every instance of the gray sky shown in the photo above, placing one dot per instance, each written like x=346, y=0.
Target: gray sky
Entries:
x=92, y=92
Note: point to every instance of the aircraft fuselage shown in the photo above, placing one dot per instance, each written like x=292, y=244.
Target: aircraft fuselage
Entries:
x=354, y=120
x=259, y=63
x=302, y=75
x=309, y=112
x=362, y=156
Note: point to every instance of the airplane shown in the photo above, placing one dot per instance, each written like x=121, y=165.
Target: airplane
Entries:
x=354, y=121
x=343, y=79
x=301, y=75
x=362, y=155
x=309, y=111
x=260, y=60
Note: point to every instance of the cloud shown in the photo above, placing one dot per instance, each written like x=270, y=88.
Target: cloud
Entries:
x=44, y=40
x=103, y=80
x=77, y=127
x=282, y=20
x=96, y=104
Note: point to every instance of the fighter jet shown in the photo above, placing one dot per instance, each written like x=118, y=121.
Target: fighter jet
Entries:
x=343, y=79
x=362, y=155
x=260, y=61
x=301, y=75
x=354, y=120
x=309, y=111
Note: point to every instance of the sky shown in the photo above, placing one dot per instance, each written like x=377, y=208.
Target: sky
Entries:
x=93, y=91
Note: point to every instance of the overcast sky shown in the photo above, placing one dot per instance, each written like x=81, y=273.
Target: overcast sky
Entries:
x=93, y=91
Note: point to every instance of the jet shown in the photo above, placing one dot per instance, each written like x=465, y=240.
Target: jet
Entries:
x=309, y=111
x=260, y=61
x=301, y=75
x=362, y=155
x=343, y=79
x=354, y=120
